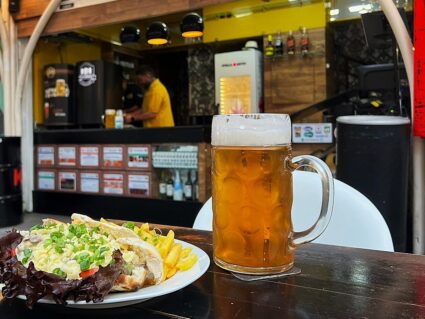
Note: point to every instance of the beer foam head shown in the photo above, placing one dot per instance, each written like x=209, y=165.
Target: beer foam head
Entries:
x=251, y=130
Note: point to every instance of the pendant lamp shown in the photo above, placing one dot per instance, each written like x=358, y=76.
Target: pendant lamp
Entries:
x=157, y=33
x=129, y=34
x=192, y=25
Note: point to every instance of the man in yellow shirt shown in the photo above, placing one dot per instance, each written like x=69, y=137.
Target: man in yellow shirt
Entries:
x=156, y=108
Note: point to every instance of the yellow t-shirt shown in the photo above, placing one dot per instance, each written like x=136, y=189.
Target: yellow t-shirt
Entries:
x=157, y=100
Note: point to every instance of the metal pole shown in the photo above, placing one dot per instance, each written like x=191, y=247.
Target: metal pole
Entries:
x=418, y=145
x=24, y=108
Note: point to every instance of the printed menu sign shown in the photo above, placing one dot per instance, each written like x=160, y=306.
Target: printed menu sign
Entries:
x=113, y=184
x=46, y=180
x=67, y=156
x=67, y=181
x=89, y=182
x=138, y=185
x=89, y=156
x=138, y=156
x=312, y=133
x=113, y=156
x=46, y=156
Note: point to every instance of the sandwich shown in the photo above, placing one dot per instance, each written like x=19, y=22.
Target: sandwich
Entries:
x=83, y=260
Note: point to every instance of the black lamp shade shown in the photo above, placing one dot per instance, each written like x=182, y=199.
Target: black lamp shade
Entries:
x=192, y=25
x=157, y=33
x=129, y=34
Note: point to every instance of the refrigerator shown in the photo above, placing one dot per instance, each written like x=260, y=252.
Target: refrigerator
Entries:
x=59, y=95
x=239, y=82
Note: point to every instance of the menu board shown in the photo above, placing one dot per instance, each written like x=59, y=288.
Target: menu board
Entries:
x=67, y=155
x=89, y=156
x=45, y=156
x=89, y=182
x=138, y=184
x=67, y=181
x=46, y=180
x=138, y=157
x=113, y=183
x=113, y=156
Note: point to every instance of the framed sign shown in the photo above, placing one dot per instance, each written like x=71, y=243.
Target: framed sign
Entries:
x=74, y=4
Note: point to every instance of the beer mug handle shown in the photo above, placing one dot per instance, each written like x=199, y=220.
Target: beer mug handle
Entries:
x=322, y=222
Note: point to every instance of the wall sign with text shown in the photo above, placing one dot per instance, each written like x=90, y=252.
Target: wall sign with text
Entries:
x=312, y=133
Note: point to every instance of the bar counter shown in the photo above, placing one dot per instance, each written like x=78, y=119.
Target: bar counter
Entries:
x=178, y=134
x=155, y=210
x=335, y=282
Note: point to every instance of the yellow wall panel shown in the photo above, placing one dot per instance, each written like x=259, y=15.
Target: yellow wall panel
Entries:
x=50, y=52
x=259, y=23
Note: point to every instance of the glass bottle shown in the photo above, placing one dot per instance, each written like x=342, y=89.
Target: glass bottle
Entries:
x=278, y=45
x=170, y=187
x=195, y=186
x=163, y=185
x=304, y=41
x=119, y=119
x=269, y=49
x=188, y=188
x=178, y=187
x=290, y=43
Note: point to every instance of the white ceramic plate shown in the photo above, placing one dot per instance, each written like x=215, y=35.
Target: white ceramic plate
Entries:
x=121, y=299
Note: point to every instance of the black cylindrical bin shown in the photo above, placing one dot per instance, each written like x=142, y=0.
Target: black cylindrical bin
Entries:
x=373, y=157
x=10, y=181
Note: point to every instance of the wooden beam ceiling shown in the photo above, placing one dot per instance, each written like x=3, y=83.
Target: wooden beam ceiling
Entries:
x=102, y=14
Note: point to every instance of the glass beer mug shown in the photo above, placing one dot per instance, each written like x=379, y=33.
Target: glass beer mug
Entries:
x=252, y=193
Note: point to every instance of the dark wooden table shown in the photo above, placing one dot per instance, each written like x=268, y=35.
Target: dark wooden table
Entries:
x=335, y=282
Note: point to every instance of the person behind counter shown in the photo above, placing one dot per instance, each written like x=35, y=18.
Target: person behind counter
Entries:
x=133, y=96
x=156, y=107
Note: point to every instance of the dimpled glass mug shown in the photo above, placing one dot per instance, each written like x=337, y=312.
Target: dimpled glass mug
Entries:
x=252, y=193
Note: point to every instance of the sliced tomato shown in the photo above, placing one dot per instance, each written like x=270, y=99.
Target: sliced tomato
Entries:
x=88, y=272
x=13, y=252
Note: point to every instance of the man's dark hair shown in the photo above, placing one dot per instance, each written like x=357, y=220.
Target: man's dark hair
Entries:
x=144, y=70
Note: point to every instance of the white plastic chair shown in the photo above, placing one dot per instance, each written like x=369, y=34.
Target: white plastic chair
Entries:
x=355, y=221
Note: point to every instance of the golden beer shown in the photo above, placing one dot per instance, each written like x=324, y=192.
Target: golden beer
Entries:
x=252, y=200
x=252, y=193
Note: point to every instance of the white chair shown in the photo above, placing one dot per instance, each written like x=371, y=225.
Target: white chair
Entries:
x=355, y=221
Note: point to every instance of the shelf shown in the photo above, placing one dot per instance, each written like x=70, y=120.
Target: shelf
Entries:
x=167, y=212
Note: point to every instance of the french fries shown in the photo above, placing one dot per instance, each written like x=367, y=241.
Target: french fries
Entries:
x=175, y=257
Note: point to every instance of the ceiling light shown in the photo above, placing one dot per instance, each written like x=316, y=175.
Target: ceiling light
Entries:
x=129, y=34
x=242, y=14
x=334, y=12
x=157, y=33
x=360, y=7
x=192, y=25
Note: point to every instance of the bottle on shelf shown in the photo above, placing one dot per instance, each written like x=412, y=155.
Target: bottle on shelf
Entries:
x=188, y=187
x=163, y=185
x=269, y=49
x=195, y=187
x=304, y=42
x=290, y=43
x=178, y=187
x=169, y=186
x=278, y=45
